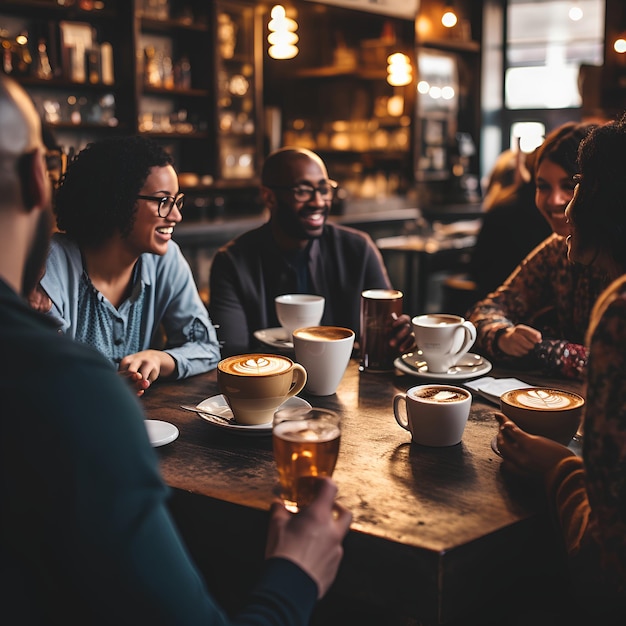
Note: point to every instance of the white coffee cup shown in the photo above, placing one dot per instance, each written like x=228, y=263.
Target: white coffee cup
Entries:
x=443, y=339
x=435, y=415
x=296, y=310
x=325, y=352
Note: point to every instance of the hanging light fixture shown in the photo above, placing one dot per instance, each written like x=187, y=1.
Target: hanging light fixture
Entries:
x=399, y=70
x=282, y=37
x=449, y=18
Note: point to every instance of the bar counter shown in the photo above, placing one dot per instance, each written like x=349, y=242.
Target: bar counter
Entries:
x=439, y=535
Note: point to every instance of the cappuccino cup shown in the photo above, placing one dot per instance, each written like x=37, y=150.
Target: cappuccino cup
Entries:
x=552, y=413
x=443, y=339
x=295, y=310
x=255, y=385
x=325, y=352
x=435, y=415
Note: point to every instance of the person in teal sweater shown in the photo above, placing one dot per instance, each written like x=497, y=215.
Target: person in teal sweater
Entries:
x=85, y=534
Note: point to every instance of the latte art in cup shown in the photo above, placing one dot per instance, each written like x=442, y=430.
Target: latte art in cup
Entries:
x=546, y=399
x=440, y=394
x=255, y=385
x=255, y=365
x=552, y=413
x=435, y=415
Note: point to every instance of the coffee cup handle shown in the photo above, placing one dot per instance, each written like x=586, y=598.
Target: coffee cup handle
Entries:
x=299, y=380
x=397, y=400
x=470, y=337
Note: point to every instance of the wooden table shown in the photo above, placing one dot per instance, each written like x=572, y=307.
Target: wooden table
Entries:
x=439, y=534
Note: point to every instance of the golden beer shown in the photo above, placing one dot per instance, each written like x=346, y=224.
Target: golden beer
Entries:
x=306, y=447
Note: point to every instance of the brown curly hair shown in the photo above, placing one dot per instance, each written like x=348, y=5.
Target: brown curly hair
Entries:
x=97, y=195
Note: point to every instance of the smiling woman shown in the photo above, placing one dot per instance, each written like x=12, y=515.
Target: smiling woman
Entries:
x=114, y=278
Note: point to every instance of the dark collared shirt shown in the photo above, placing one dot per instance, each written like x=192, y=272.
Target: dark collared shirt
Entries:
x=250, y=271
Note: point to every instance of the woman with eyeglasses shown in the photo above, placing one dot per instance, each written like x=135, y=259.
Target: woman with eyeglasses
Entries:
x=114, y=277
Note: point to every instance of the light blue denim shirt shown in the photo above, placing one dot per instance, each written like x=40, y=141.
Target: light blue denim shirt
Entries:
x=163, y=293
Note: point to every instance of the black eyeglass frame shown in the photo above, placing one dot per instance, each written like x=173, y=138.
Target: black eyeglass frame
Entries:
x=178, y=200
x=332, y=186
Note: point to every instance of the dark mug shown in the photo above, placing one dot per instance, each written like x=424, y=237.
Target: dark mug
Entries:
x=379, y=309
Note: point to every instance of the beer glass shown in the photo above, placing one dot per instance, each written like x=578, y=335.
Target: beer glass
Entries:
x=306, y=446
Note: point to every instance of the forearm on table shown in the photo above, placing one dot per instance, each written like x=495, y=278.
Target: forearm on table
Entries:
x=567, y=495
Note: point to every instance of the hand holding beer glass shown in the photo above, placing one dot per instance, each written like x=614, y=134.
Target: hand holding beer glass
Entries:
x=306, y=446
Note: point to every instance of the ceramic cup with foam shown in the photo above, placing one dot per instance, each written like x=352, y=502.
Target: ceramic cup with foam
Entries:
x=443, y=339
x=325, y=352
x=435, y=415
x=255, y=385
x=552, y=413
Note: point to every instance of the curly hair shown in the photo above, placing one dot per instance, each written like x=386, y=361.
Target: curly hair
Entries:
x=97, y=195
x=600, y=213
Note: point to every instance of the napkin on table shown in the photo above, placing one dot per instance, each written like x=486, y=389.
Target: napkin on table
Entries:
x=492, y=388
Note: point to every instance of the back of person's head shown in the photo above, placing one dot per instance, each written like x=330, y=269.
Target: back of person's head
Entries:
x=277, y=166
x=600, y=217
x=98, y=193
x=20, y=138
x=561, y=146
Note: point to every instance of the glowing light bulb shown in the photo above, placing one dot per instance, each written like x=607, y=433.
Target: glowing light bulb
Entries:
x=575, y=14
x=423, y=86
x=620, y=46
x=449, y=19
x=282, y=37
x=399, y=69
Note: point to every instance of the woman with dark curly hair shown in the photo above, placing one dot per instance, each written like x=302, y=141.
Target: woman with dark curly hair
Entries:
x=589, y=494
x=114, y=277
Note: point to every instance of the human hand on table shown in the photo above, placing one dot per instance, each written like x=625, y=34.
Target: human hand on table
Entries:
x=312, y=537
x=519, y=340
x=143, y=368
x=526, y=455
x=402, y=339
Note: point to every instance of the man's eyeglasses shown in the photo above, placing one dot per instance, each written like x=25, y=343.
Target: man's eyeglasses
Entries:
x=306, y=193
x=166, y=203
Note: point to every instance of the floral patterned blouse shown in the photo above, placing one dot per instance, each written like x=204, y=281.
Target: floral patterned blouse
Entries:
x=550, y=294
x=590, y=493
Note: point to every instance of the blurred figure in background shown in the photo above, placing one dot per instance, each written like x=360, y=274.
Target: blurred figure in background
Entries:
x=512, y=226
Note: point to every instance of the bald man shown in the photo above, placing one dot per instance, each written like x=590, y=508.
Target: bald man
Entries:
x=85, y=535
x=296, y=251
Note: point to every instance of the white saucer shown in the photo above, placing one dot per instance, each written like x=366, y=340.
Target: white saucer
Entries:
x=275, y=337
x=218, y=405
x=160, y=432
x=404, y=364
